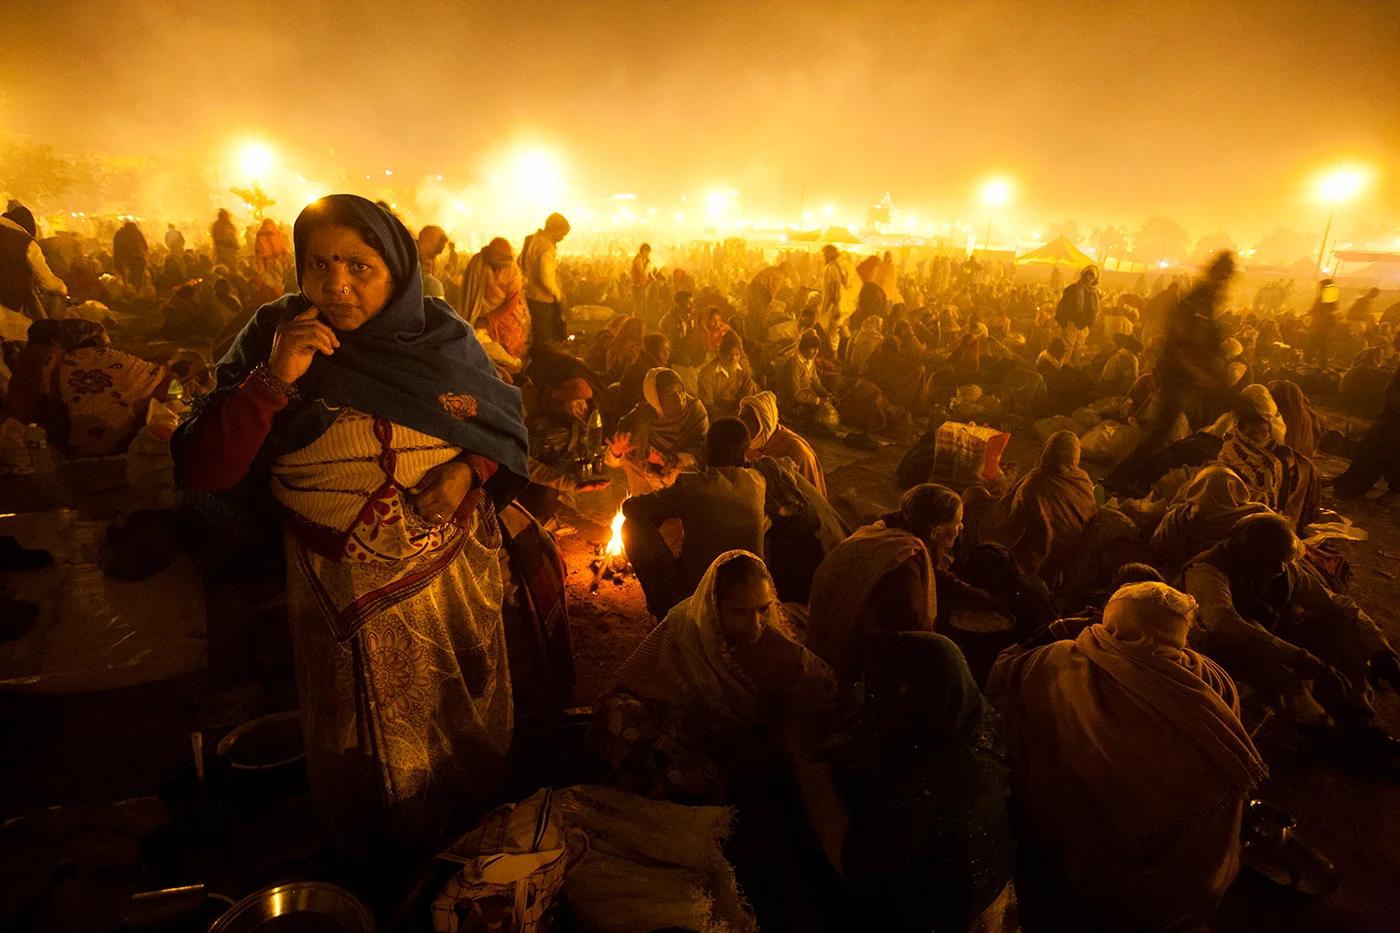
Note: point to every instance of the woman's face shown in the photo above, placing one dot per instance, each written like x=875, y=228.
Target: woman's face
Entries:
x=945, y=536
x=671, y=400
x=345, y=277
x=743, y=611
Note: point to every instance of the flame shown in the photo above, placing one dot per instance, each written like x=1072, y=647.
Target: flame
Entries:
x=614, y=548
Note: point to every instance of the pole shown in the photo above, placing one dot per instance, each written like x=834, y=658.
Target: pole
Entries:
x=1317, y=271
x=988, y=240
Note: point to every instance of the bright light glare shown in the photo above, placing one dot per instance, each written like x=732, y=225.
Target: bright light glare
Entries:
x=539, y=178
x=996, y=192
x=828, y=210
x=1342, y=184
x=716, y=203
x=255, y=159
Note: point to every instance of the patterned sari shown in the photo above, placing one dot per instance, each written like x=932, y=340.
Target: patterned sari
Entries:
x=401, y=654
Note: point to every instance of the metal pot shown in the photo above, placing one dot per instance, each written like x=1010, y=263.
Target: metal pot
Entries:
x=323, y=908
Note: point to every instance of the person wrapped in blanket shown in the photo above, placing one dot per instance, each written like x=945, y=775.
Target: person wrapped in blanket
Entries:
x=385, y=437
x=698, y=706
x=1043, y=517
x=1129, y=771
x=662, y=436
x=90, y=398
x=1267, y=617
x=915, y=819
x=1254, y=447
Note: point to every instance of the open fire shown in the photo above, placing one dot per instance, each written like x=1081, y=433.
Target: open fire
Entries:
x=611, y=562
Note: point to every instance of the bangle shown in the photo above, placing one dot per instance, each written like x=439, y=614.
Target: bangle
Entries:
x=263, y=374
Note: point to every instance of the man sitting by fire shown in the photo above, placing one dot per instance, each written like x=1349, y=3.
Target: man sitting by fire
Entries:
x=720, y=510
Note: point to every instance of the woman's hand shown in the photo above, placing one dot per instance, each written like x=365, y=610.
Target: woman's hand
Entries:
x=296, y=344
x=441, y=490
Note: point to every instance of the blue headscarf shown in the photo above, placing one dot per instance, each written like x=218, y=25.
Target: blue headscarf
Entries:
x=415, y=363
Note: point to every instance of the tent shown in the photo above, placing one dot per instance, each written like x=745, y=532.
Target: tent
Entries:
x=839, y=235
x=1059, y=251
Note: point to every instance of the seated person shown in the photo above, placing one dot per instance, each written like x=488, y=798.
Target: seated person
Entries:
x=903, y=379
x=1304, y=425
x=799, y=389
x=759, y=412
x=679, y=321
x=720, y=509
x=1202, y=514
x=596, y=356
x=1120, y=370
x=700, y=704
x=559, y=448
x=726, y=380
x=627, y=394
x=881, y=578
x=1129, y=771
x=920, y=830
x=88, y=397
x=1267, y=618
x=864, y=342
x=803, y=528
x=1042, y=518
x=1378, y=455
x=1274, y=473
x=660, y=437
x=624, y=349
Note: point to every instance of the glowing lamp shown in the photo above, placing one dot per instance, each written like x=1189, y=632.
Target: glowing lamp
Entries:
x=996, y=192
x=255, y=159
x=1342, y=184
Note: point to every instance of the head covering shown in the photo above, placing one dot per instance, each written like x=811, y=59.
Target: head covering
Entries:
x=1231, y=348
x=1203, y=513
x=24, y=218
x=924, y=677
x=1042, y=519
x=415, y=363
x=1257, y=398
x=576, y=389
x=557, y=223
x=1086, y=720
x=847, y=578
x=497, y=253
x=765, y=409
x=686, y=662
x=653, y=428
x=1158, y=612
x=1304, y=425
x=1060, y=453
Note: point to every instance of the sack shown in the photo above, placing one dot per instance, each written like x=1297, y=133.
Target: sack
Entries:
x=513, y=866
x=1053, y=425
x=1109, y=442
x=967, y=454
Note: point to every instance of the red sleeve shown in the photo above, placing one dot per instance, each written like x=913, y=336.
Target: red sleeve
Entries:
x=220, y=452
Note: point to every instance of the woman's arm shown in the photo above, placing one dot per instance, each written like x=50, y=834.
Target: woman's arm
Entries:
x=224, y=443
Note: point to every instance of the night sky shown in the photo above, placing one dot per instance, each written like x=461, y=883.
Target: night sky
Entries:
x=1211, y=113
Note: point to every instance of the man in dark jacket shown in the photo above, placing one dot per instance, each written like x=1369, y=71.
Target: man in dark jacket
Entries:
x=1078, y=309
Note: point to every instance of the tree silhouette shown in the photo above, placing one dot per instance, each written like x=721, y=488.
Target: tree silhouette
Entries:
x=256, y=199
x=1161, y=240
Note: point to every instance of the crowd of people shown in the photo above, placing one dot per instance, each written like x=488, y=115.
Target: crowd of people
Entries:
x=1042, y=679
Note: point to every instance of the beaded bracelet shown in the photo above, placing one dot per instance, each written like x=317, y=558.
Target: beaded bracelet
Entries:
x=263, y=374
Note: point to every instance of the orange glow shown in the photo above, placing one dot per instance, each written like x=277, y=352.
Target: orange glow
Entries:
x=614, y=548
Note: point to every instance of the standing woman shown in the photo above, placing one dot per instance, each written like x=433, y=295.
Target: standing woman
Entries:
x=378, y=423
